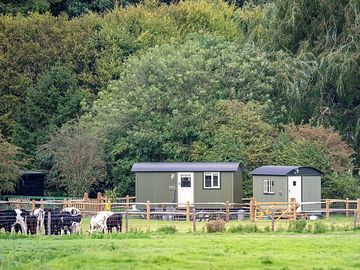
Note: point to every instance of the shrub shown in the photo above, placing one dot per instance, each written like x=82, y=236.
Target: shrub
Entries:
x=217, y=225
x=297, y=226
x=167, y=229
x=320, y=227
x=250, y=228
x=236, y=229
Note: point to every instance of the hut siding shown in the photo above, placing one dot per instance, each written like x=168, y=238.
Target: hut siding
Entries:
x=154, y=186
x=311, y=192
x=213, y=195
x=280, y=188
x=237, y=190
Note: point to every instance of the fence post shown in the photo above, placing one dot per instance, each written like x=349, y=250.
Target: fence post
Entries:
x=86, y=201
x=252, y=209
x=127, y=201
x=126, y=220
x=194, y=219
x=355, y=218
x=347, y=206
x=293, y=207
x=49, y=223
x=273, y=219
x=358, y=207
x=327, y=209
x=41, y=203
x=148, y=212
x=33, y=205
x=99, y=199
x=187, y=211
x=227, y=217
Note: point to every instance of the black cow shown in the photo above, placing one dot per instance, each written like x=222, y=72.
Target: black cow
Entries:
x=32, y=224
x=14, y=220
x=61, y=222
x=115, y=220
x=55, y=221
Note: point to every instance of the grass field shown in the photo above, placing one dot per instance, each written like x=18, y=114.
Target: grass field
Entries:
x=183, y=250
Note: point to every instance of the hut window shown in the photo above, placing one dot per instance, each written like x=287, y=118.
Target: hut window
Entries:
x=185, y=180
x=269, y=186
x=211, y=180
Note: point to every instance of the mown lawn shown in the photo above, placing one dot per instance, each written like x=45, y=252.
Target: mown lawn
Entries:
x=184, y=251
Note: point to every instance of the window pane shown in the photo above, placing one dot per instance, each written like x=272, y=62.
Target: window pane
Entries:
x=216, y=180
x=216, y=183
x=271, y=186
x=265, y=186
x=185, y=181
x=207, y=180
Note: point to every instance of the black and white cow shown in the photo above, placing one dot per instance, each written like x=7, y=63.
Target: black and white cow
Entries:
x=98, y=222
x=62, y=221
x=105, y=221
x=70, y=223
x=11, y=220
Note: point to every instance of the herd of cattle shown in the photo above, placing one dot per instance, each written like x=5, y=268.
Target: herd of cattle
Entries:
x=56, y=221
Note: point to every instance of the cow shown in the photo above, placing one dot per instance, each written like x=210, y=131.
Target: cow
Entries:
x=114, y=220
x=98, y=222
x=35, y=221
x=70, y=223
x=55, y=222
x=12, y=220
x=72, y=211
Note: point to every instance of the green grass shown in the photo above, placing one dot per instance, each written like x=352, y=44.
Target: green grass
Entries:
x=184, y=251
x=150, y=248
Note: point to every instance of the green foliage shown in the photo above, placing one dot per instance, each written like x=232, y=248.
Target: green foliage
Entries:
x=247, y=228
x=341, y=186
x=187, y=81
x=10, y=165
x=15, y=6
x=52, y=102
x=167, y=229
x=297, y=226
x=76, y=159
x=320, y=227
x=31, y=46
x=319, y=147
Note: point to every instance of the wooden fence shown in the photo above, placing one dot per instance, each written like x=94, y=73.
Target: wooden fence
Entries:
x=256, y=210
x=290, y=210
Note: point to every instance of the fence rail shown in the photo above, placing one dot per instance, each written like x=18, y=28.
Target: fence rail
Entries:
x=194, y=212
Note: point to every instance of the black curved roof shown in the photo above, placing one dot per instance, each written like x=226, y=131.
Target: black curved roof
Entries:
x=186, y=166
x=286, y=170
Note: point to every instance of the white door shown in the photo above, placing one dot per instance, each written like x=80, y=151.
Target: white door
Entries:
x=185, y=188
x=294, y=184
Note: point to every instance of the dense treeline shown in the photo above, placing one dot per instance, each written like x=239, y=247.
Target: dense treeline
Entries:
x=267, y=82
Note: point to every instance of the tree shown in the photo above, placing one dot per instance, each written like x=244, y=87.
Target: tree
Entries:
x=319, y=147
x=341, y=186
x=166, y=97
x=76, y=155
x=9, y=165
x=52, y=102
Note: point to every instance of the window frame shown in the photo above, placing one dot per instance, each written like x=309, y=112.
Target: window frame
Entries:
x=269, y=186
x=212, y=180
x=186, y=175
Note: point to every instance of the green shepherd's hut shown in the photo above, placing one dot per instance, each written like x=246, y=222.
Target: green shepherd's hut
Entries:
x=281, y=183
x=196, y=182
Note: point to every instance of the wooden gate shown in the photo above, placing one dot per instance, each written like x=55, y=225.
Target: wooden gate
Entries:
x=278, y=210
